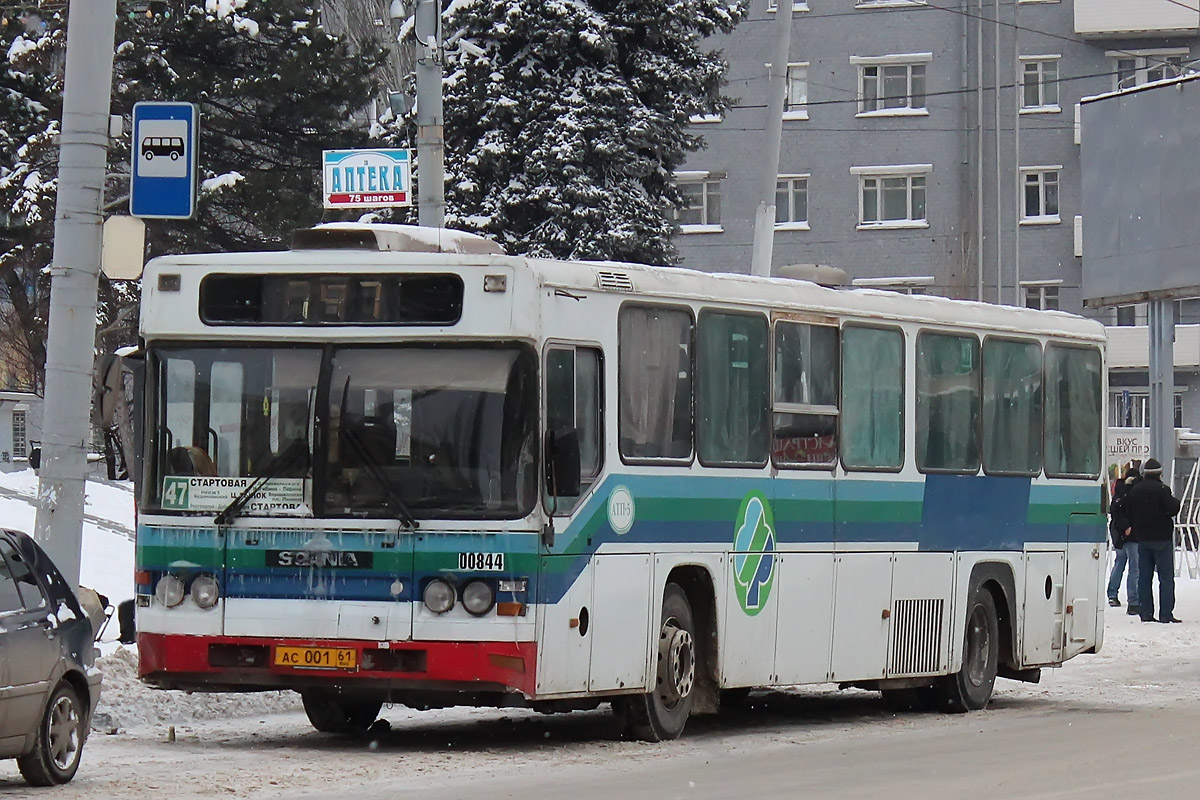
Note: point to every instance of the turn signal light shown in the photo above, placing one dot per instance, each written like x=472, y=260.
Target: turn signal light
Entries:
x=510, y=609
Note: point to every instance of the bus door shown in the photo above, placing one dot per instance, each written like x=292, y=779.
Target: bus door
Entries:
x=870, y=503
x=1086, y=567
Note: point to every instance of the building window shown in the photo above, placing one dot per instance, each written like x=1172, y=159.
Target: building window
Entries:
x=892, y=196
x=1042, y=295
x=791, y=202
x=1039, y=83
x=20, y=436
x=797, y=5
x=1040, y=202
x=1135, y=67
x=892, y=85
x=701, y=195
x=796, y=106
x=1131, y=408
x=1126, y=316
x=914, y=284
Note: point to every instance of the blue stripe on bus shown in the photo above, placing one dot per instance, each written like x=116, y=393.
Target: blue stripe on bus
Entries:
x=955, y=513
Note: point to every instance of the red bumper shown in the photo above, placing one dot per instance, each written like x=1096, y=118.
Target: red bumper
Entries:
x=229, y=661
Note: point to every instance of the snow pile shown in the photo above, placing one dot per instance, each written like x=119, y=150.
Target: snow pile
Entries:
x=107, y=559
x=126, y=702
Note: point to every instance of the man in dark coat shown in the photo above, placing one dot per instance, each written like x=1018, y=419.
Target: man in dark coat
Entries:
x=1125, y=549
x=1151, y=510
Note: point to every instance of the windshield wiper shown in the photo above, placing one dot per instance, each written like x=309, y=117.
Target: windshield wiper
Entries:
x=395, y=503
x=281, y=463
x=351, y=437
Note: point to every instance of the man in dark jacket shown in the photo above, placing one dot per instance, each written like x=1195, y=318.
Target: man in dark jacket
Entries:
x=1151, y=509
x=1125, y=549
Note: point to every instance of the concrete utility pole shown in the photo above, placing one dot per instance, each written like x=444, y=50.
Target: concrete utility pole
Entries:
x=1161, y=330
x=83, y=153
x=764, y=218
x=431, y=197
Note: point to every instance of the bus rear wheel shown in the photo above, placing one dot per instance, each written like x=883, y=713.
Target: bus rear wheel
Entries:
x=970, y=688
x=329, y=713
x=661, y=713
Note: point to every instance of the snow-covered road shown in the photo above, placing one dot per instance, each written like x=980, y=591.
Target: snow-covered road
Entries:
x=1146, y=679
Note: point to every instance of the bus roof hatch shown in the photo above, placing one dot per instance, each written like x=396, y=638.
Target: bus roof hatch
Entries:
x=385, y=237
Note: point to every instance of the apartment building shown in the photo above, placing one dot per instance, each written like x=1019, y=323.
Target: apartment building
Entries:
x=928, y=145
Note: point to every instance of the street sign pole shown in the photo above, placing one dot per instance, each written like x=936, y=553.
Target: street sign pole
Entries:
x=74, y=271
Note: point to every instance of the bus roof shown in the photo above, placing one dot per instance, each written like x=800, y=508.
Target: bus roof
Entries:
x=637, y=281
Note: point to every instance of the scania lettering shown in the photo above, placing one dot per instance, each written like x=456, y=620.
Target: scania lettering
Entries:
x=420, y=471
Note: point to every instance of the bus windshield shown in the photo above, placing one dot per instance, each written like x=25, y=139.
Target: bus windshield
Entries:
x=449, y=432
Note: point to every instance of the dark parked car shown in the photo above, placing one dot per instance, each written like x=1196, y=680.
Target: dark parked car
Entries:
x=49, y=683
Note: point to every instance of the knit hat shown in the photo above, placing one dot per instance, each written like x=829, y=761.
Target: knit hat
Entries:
x=1152, y=467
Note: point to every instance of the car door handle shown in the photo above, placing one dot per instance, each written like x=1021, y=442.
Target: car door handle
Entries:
x=49, y=625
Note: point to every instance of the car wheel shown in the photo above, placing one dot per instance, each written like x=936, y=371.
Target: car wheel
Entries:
x=174, y=156
x=148, y=155
x=330, y=714
x=59, y=742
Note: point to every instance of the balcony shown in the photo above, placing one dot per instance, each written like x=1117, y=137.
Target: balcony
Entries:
x=1135, y=18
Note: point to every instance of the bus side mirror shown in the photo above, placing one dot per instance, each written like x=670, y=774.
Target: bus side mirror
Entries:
x=562, y=463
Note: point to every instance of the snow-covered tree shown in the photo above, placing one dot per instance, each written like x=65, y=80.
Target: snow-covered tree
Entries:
x=565, y=119
x=30, y=107
x=274, y=90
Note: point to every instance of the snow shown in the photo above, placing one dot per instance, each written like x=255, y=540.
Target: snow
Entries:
x=107, y=558
x=219, y=182
x=19, y=48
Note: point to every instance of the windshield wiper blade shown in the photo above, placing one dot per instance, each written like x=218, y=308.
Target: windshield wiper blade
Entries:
x=280, y=464
x=394, y=501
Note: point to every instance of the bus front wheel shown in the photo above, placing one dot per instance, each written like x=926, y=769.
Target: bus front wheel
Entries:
x=329, y=713
x=970, y=688
x=661, y=713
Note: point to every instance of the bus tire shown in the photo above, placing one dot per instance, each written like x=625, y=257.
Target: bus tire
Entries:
x=331, y=714
x=970, y=688
x=660, y=714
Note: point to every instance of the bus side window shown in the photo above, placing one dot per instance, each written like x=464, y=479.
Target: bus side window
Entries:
x=731, y=396
x=948, y=403
x=574, y=401
x=1012, y=407
x=872, y=398
x=655, y=383
x=1073, y=381
x=805, y=395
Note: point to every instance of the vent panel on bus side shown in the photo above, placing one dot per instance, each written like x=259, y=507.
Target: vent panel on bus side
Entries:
x=614, y=281
x=917, y=638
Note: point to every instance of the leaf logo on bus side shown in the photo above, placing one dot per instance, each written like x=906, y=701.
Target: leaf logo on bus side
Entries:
x=754, y=556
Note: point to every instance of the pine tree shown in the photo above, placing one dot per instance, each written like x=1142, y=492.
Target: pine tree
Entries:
x=30, y=106
x=563, y=135
x=274, y=90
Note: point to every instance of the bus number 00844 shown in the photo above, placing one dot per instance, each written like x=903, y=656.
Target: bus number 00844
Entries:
x=481, y=562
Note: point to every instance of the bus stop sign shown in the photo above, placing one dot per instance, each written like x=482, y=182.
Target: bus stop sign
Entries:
x=163, y=184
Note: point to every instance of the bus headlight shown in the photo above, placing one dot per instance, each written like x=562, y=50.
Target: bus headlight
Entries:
x=169, y=591
x=205, y=591
x=478, y=598
x=439, y=596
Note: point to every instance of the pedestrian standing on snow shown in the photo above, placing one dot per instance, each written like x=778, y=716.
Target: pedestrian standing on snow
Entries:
x=1125, y=549
x=1151, y=509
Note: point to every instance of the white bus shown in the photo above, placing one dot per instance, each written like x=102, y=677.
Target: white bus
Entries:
x=381, y=467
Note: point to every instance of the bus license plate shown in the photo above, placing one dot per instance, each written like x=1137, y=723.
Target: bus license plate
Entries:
x=316, y=657
x=481, y=562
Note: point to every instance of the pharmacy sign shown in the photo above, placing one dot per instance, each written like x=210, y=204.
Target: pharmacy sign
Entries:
x=367, y=178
